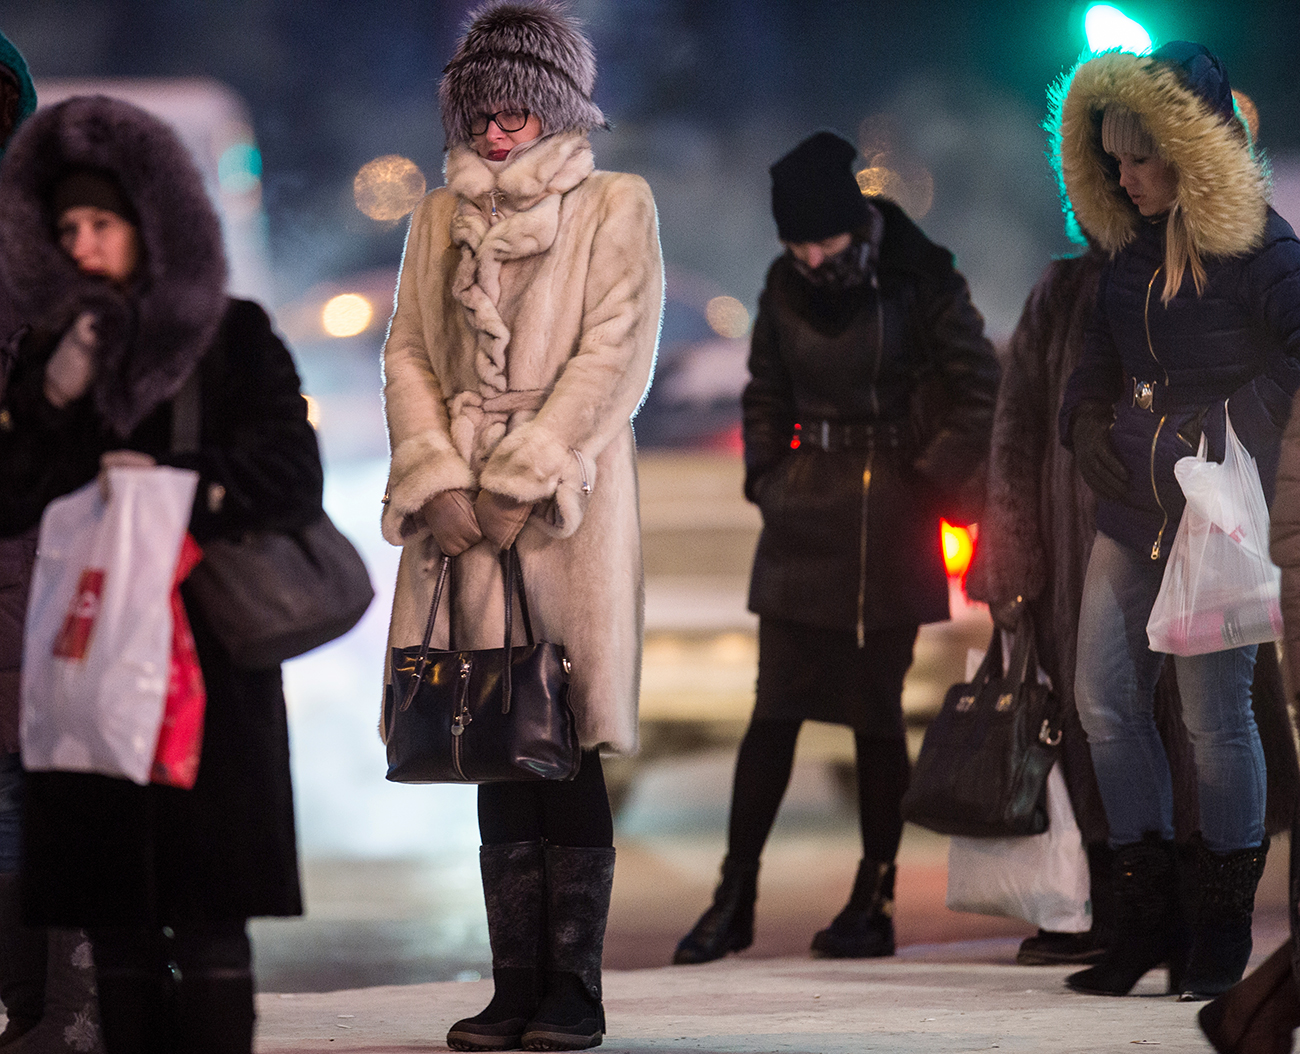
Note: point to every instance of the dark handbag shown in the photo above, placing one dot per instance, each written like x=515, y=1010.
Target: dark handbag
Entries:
x=982, y=770
x=272, y=595
x=484, y=716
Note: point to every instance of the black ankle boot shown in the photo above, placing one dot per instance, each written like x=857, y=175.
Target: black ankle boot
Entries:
x=571, y=1015
x=728, y=924
x=22, y=964
x=1146, y=918
x=865, y=928
x=514, y=892
x=1259, y=1014
x=1224, y=902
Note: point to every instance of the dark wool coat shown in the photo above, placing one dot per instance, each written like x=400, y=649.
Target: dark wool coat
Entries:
x=1235, y=342
x=103, y=851
x=1036, y=535
x=851, y=534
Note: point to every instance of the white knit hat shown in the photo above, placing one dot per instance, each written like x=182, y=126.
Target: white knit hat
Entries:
x=1123, y=132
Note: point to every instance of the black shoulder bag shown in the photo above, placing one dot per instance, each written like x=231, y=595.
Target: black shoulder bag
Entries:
x=983, y=767
x=484, y=716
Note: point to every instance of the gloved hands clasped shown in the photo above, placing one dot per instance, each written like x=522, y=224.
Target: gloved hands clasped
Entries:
x=71, y=369
x=1094, y=454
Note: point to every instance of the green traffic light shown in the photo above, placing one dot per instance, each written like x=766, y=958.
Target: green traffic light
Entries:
x=1107, y=27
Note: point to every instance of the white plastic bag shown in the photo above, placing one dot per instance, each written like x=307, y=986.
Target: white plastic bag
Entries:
x=97, y=649
x=1041, y=878
x=1220, y=589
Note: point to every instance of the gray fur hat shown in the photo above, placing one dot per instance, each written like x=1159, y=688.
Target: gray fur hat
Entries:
x=529, y=55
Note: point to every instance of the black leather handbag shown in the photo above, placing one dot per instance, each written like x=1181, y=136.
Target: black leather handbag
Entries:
x=483, y=716
x=982, y=770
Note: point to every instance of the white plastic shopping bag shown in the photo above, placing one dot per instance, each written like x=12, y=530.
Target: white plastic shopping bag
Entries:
x=1220, y=589
x=98, y=639
x=1041, y=878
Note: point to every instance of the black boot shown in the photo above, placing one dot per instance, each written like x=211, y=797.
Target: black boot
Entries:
x=214, y=1001
x=22, y=964
x=1049, y=947
x=578, y=885
x=865, y=928
x=514, y=891
x=1220, y=917
x=1259, y=1014
x=728, y=924
x=1146, y=918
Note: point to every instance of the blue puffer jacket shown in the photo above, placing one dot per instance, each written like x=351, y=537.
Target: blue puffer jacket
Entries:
x=1169, y=364
x=1237, y=344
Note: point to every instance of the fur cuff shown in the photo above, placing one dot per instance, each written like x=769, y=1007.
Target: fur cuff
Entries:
x=422, y=466
x=531, y=465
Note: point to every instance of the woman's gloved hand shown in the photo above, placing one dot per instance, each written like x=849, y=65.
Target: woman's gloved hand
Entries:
x=1006, y=613
x=1094, y=455
x=119, y=459
x=71, y=369
x=500, y=517
x=450, y=518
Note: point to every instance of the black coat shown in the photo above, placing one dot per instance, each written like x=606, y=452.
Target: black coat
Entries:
x=103, y=851
x=897, y=376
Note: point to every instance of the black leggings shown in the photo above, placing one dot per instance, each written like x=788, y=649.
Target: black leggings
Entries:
x=763, y=768
x=566, y=812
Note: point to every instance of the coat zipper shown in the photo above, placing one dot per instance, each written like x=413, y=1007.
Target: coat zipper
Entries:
x=866, y=472
x=862, y=553
x=462, y=717
x=1146, y=322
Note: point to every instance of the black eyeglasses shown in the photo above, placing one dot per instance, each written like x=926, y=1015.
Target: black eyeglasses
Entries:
x=507, y=121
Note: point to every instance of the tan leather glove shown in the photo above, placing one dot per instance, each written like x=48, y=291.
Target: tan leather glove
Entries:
x=119, y=459
x=500, y=517
x=450, y=517
x=71, y=368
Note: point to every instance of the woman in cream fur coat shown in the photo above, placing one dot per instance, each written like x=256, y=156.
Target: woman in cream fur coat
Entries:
x=522, y=343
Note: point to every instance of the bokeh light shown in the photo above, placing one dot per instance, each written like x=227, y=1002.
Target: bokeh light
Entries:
x=388, y=187
x=727, y=317
x=239, y=169
x=1107, y=27
x=1248, y=110
x=912, y=188
x=346, y=315
x=958, y=548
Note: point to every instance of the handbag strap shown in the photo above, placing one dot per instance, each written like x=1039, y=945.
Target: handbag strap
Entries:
x=512, y=577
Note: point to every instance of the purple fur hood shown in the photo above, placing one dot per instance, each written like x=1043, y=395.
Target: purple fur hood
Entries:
x=152, y=335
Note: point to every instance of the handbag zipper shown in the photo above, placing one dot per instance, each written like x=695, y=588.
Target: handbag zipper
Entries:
x=1146, y=322
x=462, y=717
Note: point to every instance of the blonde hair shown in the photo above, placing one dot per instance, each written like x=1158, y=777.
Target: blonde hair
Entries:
x=1181, y=253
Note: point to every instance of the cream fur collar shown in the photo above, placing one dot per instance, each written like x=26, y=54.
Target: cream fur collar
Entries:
x=504, y=211
x=1223, y=188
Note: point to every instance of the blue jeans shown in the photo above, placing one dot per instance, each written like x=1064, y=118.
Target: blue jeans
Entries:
x=1114, y=690
x=11, y=811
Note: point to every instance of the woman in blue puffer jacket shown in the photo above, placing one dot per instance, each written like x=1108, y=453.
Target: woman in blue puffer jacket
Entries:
x=1198, y=316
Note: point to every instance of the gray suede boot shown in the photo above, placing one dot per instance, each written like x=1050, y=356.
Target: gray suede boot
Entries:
x=579, y=881
x=514, y=892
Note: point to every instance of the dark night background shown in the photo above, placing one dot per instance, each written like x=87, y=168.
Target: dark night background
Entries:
x=703, y=95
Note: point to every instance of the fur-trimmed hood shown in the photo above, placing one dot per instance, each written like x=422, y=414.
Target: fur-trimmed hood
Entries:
x=152, y=335
x=1223, y=188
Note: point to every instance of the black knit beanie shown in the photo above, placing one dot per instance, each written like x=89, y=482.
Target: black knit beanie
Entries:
x=815, y=194
x=90, y=186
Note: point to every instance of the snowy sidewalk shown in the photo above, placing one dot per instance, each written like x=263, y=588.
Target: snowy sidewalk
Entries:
x=923, y=1001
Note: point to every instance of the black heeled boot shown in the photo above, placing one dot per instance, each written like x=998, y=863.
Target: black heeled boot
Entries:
x=1259, y=1014
x=571, y=1015
x=514, y=891
x=728, y=923
x=22, y=964
x=1224, y=901
x=865, y=928
x=1146, y=918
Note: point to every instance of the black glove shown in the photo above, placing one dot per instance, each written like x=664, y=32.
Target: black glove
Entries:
x=1094, y=455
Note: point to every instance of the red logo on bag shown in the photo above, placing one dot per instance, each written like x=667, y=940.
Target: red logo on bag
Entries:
x=73, y=640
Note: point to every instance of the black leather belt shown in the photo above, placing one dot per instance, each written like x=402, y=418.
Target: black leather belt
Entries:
x=833, y=436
